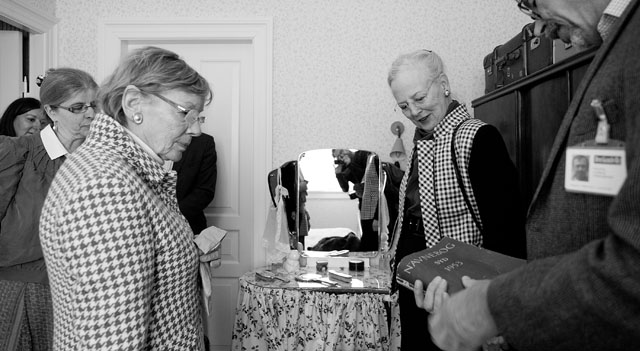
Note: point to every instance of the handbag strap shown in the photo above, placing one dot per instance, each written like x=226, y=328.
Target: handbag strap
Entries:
x=456, y=168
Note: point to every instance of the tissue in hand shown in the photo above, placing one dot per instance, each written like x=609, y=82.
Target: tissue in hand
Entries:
x=209, y=238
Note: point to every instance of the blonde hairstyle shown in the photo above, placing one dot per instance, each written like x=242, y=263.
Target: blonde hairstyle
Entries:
x=422, y=59
x=153, y=70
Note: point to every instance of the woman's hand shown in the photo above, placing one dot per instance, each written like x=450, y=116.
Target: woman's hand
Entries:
x=213, y=257
x=432, y=299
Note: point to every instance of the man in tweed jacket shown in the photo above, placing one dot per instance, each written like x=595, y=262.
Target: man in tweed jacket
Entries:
x=587, y=297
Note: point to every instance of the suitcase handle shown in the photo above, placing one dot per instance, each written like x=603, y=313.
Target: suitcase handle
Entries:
x=512, y=56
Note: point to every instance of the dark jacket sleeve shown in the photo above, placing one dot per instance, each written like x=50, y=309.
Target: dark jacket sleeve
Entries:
x=495, y=185
x=203, y=188
x=12, y=160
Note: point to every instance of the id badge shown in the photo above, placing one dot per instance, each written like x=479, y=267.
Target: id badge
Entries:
x=595, y=169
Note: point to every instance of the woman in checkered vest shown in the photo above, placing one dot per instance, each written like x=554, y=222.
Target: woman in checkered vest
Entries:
x=459, y=182
x=122, y=262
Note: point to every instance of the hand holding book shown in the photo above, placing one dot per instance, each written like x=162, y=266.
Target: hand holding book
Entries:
x=451, y=259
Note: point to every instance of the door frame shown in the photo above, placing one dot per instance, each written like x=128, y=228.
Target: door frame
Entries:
x=259, y=33
x=43, y=47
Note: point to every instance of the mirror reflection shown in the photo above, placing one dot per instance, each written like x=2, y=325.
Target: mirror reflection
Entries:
x=338, y=198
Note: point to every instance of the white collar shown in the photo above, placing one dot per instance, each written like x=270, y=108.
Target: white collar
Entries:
x=52, y=144
x=145, y=147
x=616, y=7
x=611, y=14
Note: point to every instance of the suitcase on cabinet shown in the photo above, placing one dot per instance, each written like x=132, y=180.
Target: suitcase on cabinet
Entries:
x=519, y=57
x=562, y=51
x=538, y=50
x=490, y=81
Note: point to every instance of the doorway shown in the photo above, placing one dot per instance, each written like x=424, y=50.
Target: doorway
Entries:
x=235, y=57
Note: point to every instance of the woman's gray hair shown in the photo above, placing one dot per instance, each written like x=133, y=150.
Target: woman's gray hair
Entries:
x=152, y=70
x=61, y=84
x=424, y=59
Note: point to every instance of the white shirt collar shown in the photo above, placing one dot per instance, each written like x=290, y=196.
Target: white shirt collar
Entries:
x=611, y=14
x=52, y=144
x=145, y=147
x=616, y=7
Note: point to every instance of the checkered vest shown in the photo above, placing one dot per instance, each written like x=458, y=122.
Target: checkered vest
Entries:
x=371, y=192
x=444, y=211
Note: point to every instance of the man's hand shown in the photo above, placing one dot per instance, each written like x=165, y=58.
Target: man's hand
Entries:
x=435, y=295
x=463, y=321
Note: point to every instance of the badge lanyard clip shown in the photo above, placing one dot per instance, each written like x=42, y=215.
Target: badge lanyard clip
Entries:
x=602, y=133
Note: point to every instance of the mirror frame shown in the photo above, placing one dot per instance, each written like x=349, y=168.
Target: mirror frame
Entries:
x=377, y=222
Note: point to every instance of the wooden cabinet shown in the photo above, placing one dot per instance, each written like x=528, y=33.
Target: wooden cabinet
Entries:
x=528, y=114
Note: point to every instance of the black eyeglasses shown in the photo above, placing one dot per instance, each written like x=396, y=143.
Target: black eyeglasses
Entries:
x=78, y=108
x=190, y=115
x=528, y=9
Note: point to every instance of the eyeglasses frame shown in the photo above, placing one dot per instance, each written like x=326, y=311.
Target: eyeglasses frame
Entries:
x=413, y=101
x=528, y=9
x=180, y=108
x=83, y=109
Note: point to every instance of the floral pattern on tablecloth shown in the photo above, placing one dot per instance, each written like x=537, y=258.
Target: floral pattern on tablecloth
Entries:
x=298, y=319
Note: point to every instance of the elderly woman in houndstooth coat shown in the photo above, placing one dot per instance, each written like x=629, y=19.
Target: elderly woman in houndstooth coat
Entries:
x=470, y=194
x=122, y=262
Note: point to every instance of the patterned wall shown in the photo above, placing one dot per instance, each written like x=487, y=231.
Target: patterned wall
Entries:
x=47, y=7
x=330, y=56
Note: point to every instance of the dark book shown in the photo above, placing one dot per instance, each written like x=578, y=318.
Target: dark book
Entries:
x=451, y=260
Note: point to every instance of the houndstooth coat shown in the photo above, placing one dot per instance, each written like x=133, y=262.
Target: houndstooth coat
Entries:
x=122, y=264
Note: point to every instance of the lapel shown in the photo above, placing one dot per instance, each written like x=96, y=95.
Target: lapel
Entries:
x=558, y=145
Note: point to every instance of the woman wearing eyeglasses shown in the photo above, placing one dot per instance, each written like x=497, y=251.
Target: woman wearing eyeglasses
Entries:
x=467, y=186
x=28, y=165
x=122, y=263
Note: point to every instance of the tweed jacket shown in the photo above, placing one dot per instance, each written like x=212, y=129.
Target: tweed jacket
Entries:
x=197, y=176
x=588, y=298
x=122, y=264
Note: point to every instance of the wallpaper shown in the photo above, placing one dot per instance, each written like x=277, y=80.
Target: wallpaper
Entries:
x=330, y=57
x=47, y=7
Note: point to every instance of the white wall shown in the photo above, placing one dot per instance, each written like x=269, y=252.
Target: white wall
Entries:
x=333, y=210
x=330, y=56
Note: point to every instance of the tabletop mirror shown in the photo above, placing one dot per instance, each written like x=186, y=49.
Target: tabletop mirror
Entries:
x=338, y=201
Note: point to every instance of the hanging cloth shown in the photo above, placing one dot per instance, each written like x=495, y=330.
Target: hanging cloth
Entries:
x=276, y=234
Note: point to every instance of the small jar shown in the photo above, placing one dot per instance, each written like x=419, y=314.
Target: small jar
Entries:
x=322, y=266
x=356, y=265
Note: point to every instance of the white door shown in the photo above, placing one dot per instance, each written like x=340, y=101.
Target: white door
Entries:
x=10, y=68
x=236, y=120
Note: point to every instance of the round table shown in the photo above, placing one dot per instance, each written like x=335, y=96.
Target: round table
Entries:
x=291, y=315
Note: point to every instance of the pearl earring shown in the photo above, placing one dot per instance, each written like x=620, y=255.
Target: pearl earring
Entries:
x=447, y=93
x=137, y=117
